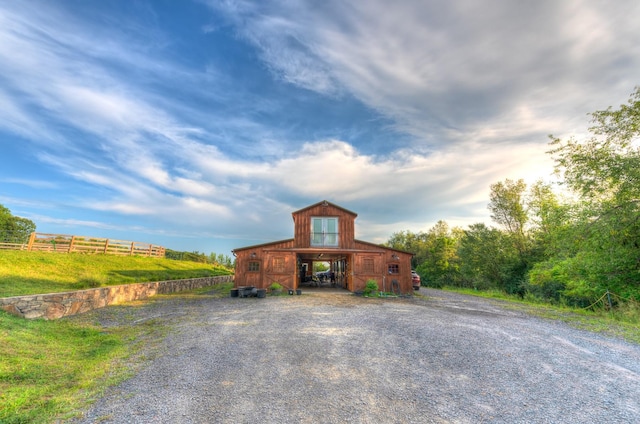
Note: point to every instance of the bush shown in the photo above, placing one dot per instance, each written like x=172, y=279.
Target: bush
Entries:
x=275, y=286
x=371, y=288
x=548, y=280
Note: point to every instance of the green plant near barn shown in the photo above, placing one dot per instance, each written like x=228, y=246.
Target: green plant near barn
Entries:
x=275, y=288
x=370, y=288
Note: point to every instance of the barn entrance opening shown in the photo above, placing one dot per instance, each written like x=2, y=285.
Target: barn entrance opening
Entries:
x=322, y=271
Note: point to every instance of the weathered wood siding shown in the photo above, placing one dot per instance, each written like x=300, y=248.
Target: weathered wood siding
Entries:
x=272, y=265
x=280, y=267
x=346, y=224
x=374, y=265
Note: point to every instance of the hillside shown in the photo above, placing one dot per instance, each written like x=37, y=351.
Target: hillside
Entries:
x=24, y=273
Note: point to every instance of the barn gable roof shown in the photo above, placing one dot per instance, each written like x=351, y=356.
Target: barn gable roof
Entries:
x=263, y=245
x=386, y=248
x=325, y=203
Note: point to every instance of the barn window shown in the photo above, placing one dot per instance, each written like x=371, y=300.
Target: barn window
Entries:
x=278, y=264
x=367, y=265
x=324, y=231
x=254, y=266
x=394, y=269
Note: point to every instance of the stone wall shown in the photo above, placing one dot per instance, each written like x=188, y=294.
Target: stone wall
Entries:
x=57, y=305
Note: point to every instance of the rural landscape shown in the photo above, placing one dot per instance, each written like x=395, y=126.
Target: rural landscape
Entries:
x=288, y=211
x=571, y=260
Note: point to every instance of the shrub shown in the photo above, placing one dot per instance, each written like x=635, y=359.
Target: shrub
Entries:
x=275, y=286
x=371, y=288
x=548, y=280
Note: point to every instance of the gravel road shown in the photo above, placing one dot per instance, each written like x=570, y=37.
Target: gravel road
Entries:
x=331, y=357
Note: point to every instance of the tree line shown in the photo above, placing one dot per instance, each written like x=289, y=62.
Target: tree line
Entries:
x=195, y=256
x=569, y=242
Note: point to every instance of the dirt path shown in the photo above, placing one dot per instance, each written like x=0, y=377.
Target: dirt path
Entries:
x=333, y=358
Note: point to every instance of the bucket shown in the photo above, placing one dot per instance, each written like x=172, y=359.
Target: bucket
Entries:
x=234, y=292
x=298, y=292
x=262, y=293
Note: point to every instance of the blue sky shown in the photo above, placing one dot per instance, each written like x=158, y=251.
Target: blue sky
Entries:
x=201, y=125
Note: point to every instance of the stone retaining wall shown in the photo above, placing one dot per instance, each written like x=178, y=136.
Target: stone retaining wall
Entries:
x=57, y=305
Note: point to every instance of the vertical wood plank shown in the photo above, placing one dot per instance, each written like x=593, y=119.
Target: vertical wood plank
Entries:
x=32, y=238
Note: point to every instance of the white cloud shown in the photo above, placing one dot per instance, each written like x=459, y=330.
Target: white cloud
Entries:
x=18, y=121
x=435, y=67
x=476, y=85
x=31, y=183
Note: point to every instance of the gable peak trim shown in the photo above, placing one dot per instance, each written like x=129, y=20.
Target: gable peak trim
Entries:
x=324, y=203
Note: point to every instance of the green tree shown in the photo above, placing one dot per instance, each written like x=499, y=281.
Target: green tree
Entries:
x=553, y=223
x=487, y=258
x=440, y=265
x=604, y=167
x=14, y=229
x=224, y=260
x=546, y=211
x=507, y=205
x=604, y=171
x=509, y=209
x=435, y=253
x=408, y=241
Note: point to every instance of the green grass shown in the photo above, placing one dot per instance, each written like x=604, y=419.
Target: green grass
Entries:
x=51, y=370
x=23, y=273
x=622, y=322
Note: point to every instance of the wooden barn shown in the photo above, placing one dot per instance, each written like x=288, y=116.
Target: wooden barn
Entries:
x=323, y=232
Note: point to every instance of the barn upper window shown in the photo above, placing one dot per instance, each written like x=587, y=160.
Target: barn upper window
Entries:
x=254, y=266
x=324, y=231
x=394, y=269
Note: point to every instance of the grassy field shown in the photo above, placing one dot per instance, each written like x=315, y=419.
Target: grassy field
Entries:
x=49, y=369
x=23, y=273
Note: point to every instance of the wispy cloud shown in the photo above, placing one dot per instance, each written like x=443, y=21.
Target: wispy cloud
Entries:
x=443, y=68
x=405, y=113
x=30, y=183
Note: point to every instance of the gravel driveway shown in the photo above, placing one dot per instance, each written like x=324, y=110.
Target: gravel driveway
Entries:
x=334, y=357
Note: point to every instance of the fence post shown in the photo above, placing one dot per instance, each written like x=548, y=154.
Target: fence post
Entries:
x=32, y=238
x=73, y=239
x=106, y=246
x=131, y=250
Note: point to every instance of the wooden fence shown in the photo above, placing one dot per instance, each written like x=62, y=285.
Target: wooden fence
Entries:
x=13, y=246
x=62, y=243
